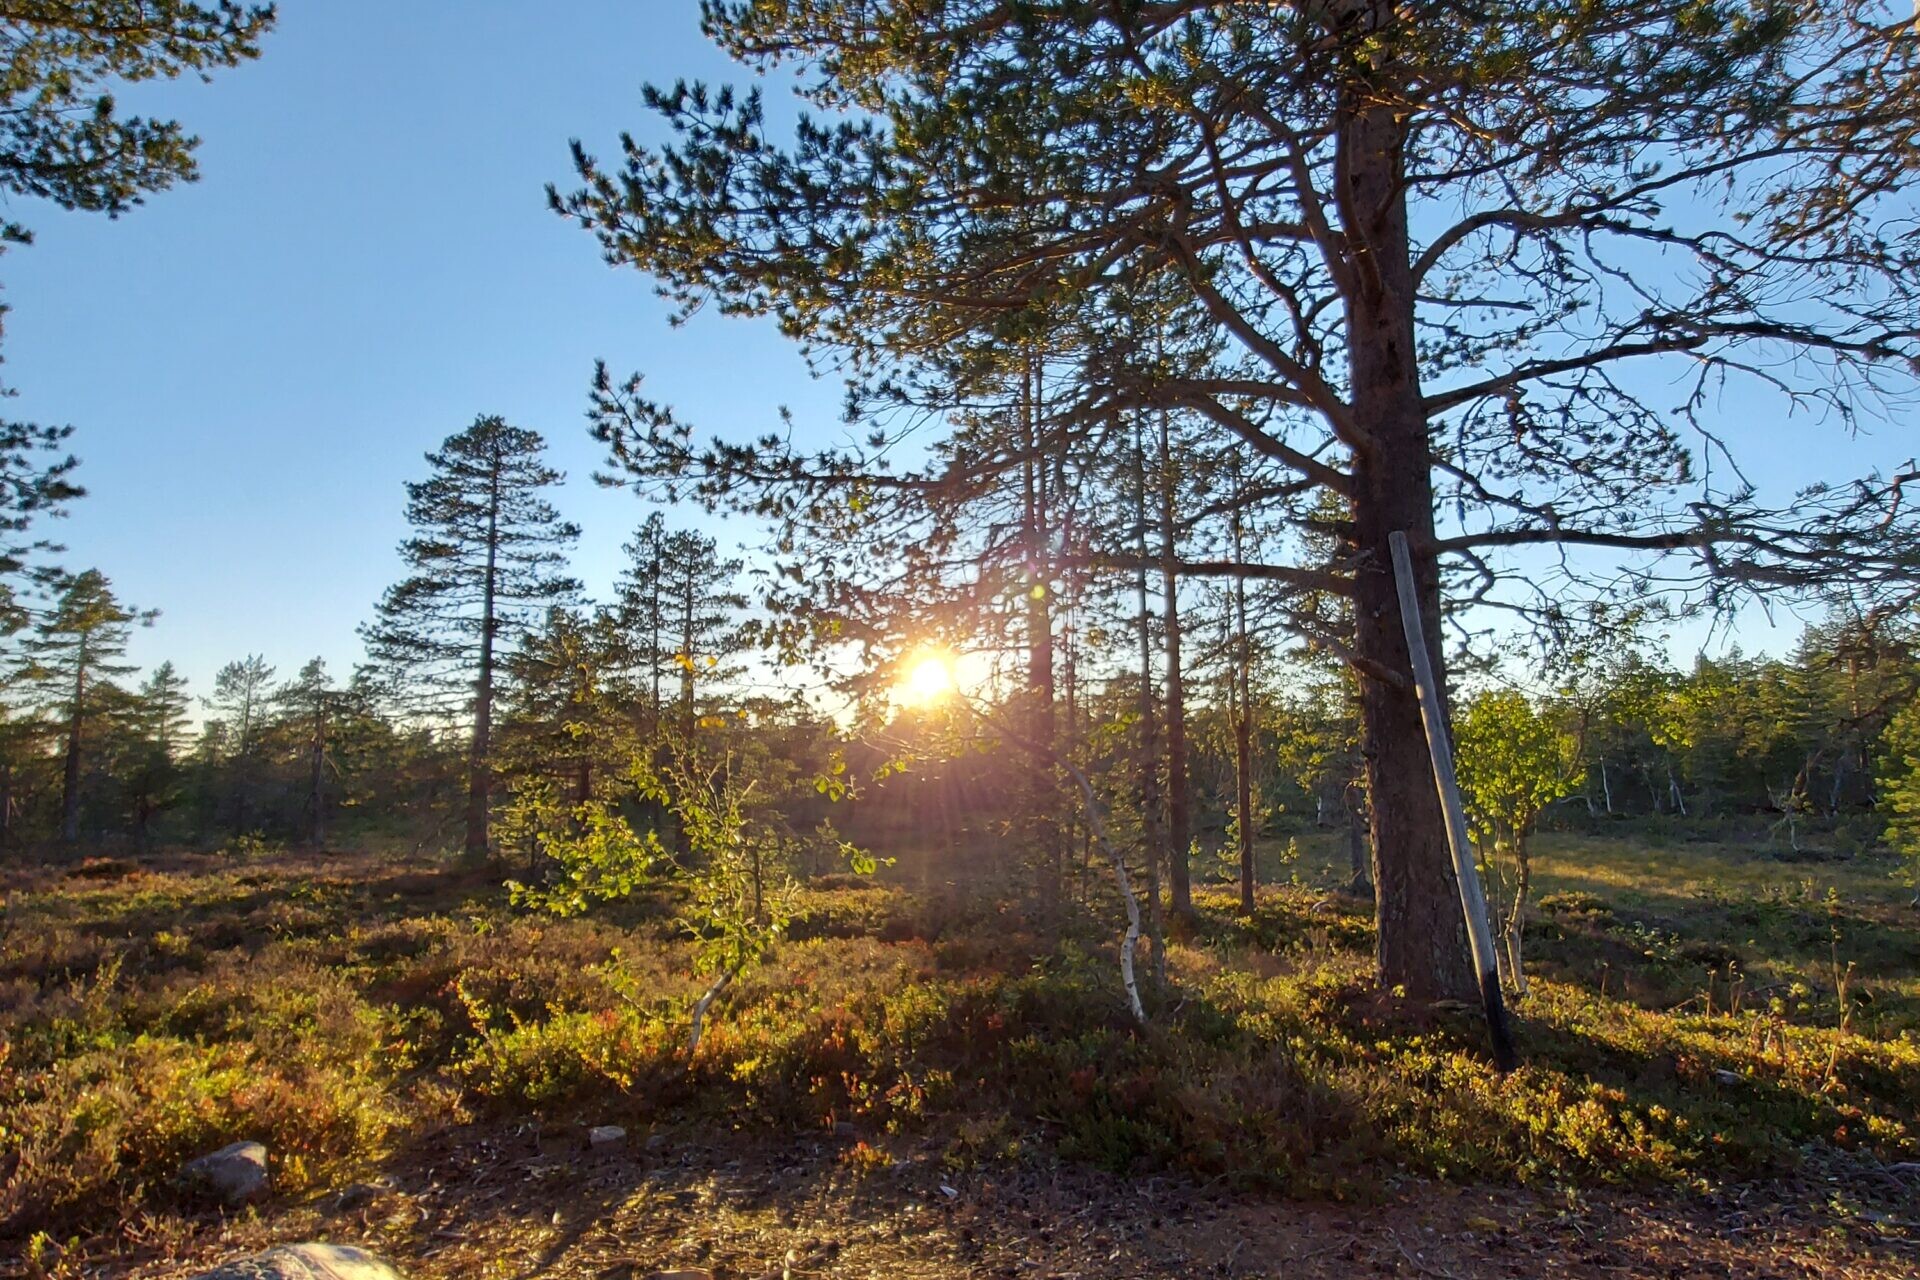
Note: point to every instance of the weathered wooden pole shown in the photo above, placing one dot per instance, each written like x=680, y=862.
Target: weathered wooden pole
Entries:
x=1473, y=901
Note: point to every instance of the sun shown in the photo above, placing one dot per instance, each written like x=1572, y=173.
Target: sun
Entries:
x=928, y=680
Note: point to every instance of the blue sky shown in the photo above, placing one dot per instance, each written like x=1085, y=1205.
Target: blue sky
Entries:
x=256, y=362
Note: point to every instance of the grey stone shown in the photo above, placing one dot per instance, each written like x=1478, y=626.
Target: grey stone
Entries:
x=606, y=1135
x=235, y=1174
x=362, y=1193
x=305, y=1262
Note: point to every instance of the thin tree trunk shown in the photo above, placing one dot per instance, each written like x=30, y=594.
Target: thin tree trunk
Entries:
x=700, y=1008
x=1179, y=822
x=1149, y=758
x=70, y=773
x=1421, y=944
x=480, y=755
x=687, y=603
x=1242, y=700
x=1517, y=922
x=1040, y=677
x=317, y=783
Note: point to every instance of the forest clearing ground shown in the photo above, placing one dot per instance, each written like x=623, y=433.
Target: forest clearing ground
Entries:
x=492, y=1206
x=424, y=1064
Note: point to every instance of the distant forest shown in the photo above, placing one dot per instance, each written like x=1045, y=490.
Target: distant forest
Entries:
x=496, y=701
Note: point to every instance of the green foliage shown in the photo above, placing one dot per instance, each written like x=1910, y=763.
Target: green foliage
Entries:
x=485, y=564
x=64, y=139
x=594, y=854
x=740, y=894
x=1513, y=762
x=335, y=1007
x=1899, y=776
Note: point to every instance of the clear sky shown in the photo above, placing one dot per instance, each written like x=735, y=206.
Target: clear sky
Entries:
x=256, y=362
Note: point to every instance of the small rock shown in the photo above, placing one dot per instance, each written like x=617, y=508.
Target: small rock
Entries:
x=606, y=1135
x=361, y=1194
x=656, y=1142
x=1726, y=1077
x=235, y=1174
x=845, y=1129
x=305, y=1262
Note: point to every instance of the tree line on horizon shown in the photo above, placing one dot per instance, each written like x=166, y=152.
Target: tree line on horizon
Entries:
x=489, y=677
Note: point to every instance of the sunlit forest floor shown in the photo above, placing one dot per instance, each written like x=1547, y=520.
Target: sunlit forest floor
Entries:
x=1722, y=1079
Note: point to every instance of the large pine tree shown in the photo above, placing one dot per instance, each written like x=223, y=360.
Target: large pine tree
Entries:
x=488, y=560
x=1454, y=254
x=72, y=659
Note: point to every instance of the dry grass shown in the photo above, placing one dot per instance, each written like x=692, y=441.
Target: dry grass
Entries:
x=378, y=1020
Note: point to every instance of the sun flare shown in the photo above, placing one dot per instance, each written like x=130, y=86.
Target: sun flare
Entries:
x=928, y=680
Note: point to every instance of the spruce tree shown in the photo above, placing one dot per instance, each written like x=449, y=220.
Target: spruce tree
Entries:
x=642, y=617
x=487, y=561
x=72, y=659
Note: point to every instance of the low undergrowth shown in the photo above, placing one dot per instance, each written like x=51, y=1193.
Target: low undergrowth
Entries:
x=339, y=1009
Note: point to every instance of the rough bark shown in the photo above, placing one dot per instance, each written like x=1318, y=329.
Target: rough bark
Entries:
x=1421, y=941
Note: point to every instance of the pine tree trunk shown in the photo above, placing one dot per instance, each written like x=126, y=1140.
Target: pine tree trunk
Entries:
x=1422, y=942
x=1179, y=822
x=1149, y=762
x=686, y=665
x=658, y=707
x=317, y=785
x=1242, y=699
x=70, y=773
x=480, y=756
x=1041, y=725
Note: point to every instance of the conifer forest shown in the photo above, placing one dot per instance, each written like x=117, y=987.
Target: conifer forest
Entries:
x=1332, y=687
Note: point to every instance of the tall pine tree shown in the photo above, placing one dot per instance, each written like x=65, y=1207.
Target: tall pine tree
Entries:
x=488, y=560
x=680, y=612
x=1448, y=249
x=73, y=657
